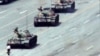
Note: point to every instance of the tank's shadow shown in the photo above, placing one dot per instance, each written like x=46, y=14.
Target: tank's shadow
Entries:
x=48, y=25
x=68, y=10
x=8, y=2
x=23, y=47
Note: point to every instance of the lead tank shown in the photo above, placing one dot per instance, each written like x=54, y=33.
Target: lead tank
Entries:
x=25, y=41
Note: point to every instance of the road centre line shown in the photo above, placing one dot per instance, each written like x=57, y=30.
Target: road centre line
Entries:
x=1, y=12
x=89, y=48
x=98, y=15
x=22, y=12
x=86, y=21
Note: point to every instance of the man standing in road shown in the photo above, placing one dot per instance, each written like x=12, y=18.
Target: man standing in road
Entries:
x=8, y=49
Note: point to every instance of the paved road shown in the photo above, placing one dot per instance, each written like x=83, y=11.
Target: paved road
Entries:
x=77, y=35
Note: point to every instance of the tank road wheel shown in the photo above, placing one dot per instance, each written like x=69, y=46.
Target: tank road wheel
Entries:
x=73, y=6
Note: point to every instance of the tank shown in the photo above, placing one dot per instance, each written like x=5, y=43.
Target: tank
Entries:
x=46, y=17
x=63, y=5
x=24, y=41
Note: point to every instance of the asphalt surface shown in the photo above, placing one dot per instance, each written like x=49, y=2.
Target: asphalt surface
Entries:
x=77, y=35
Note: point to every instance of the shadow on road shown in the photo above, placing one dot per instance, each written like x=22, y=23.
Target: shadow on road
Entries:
x=23, y=47
x=48, y=25
x=68, y=10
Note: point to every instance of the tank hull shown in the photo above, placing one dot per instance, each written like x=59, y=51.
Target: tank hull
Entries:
x=28, y=43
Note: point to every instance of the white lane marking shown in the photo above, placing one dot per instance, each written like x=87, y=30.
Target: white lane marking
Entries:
x=86, y=21
x=72, y=29
x=56, y=37
x=77, y=55
x=1, y=12
x=90, y=47
x=61, y=49
x=75, y=41
x=22, y=12
x=18, y=24
x=98, y=15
